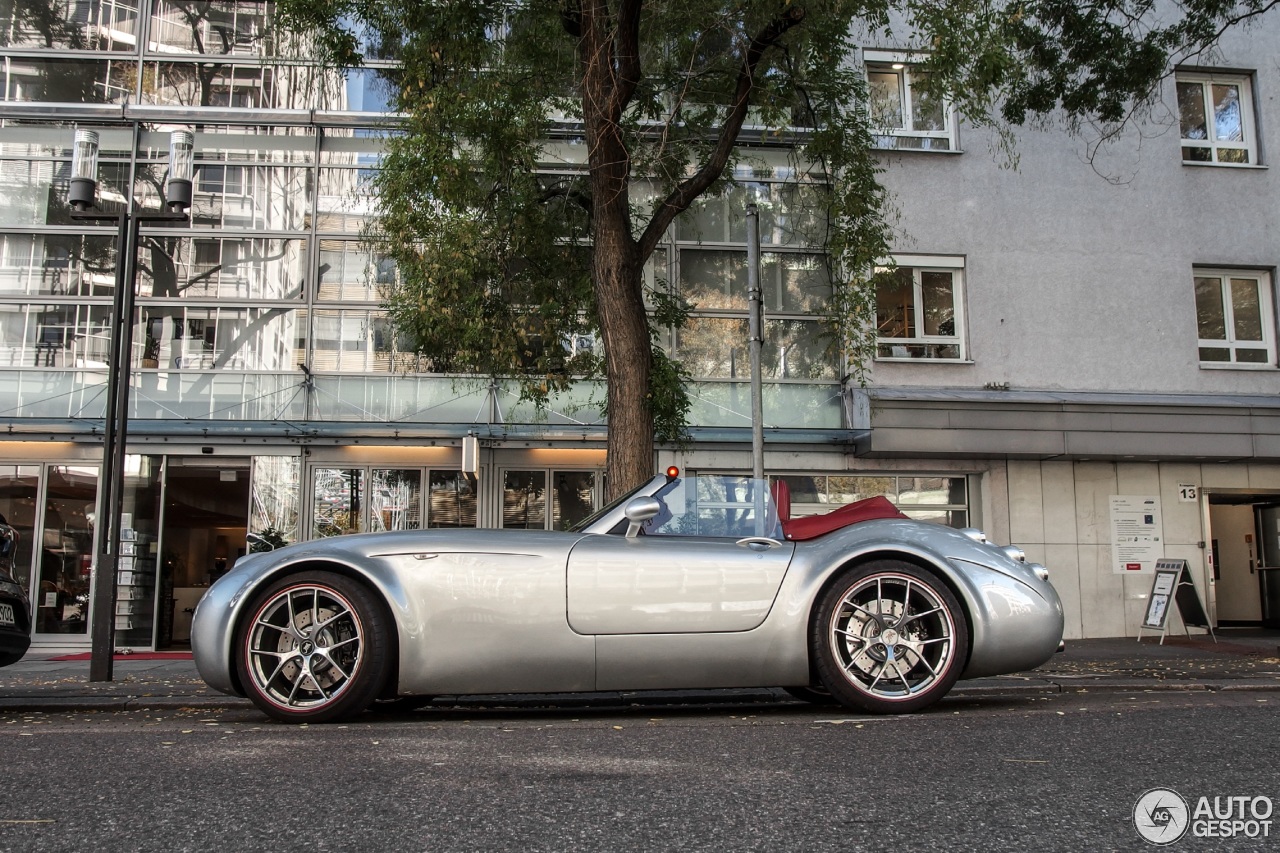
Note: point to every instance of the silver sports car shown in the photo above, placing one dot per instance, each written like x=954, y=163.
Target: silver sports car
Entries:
x=686, y=582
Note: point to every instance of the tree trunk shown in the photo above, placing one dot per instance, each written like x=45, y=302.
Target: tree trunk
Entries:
x=615, y=256
x=628, y=351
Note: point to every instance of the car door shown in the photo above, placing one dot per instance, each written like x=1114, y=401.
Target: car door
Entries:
x=673, y=584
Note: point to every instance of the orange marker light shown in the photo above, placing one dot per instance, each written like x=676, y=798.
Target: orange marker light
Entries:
x=673, y=472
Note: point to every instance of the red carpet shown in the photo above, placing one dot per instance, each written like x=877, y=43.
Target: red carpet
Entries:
x=134, y=656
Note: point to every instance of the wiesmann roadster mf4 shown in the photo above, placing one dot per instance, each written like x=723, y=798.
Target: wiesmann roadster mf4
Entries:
x=686, y=582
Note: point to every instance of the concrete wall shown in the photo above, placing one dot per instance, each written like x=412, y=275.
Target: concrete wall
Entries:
x=1059, y=512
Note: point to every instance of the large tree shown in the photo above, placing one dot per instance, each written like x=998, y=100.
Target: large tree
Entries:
x=503, y=257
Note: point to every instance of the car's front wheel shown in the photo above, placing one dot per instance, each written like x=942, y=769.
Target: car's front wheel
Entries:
x=889, y=638
x=314, y=649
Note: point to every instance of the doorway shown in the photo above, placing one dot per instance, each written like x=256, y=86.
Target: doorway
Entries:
x=1245, y=547
x=206, y=516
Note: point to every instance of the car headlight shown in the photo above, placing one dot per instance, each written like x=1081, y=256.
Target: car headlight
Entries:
x=1015, y=553
x=11, y=588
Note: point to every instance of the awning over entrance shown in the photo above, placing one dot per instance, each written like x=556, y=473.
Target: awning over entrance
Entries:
x=981, y=423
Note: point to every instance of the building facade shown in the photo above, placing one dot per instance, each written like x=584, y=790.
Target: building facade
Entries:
x=1060, y=338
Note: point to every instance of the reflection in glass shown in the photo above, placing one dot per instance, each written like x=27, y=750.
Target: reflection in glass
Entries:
x=1210, y=316
x=1227, y=125
x=274, y=496
x=261, y=198
x=66, y=550
x=790, y=214
x=357, y=341
x=237, y=268
x=346, y=200
x=350, y=272
x=70, y=24
x=337, y=502
x=937, y=297
x=1246, y=309
x=395, y=499
x=34, y=192
x=176, y=337
x=72, y=81
x=18, y=485
x=524, y=500
x=574, y=497
x=66, y=335
x=927, y=109
x=56, y=265
x=885, y=91
x=240, y=86
x=714, y=279
x=218, y=28
x=714, y=347
x=453, y=500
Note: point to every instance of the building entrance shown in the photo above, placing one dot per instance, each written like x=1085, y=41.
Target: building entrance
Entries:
x=206, y=514
x=1245, y=537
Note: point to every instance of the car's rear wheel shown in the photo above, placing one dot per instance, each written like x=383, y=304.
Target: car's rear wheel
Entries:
x=314, y=649
x=889, y=638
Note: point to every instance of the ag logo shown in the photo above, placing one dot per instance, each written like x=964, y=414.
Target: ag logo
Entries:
x=1161, y=816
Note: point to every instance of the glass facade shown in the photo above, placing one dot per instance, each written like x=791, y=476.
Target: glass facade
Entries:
x=265, y=310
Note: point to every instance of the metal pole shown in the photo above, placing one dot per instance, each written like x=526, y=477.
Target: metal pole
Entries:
x=103, y=605
x=755, y=340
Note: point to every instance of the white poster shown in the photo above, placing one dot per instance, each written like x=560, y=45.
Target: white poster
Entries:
x=1137, y=534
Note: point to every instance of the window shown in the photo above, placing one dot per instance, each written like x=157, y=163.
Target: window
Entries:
x=904, y=113
x=1235, y=318
x=1216, y=115
x=919, y=310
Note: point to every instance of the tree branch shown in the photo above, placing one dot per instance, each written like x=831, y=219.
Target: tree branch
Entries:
x=684, y=194
x=627, y=52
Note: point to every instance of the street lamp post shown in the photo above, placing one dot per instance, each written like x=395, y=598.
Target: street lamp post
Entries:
x=82, y=196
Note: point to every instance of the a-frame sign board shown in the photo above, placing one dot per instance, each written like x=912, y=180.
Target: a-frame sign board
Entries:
x=1173, y=581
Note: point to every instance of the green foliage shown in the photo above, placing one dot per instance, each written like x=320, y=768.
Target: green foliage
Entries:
x=549, y=144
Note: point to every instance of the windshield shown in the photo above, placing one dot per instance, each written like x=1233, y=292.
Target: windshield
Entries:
x=711, y=505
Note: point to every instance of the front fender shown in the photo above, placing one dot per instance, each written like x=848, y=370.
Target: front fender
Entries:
x=217, y=615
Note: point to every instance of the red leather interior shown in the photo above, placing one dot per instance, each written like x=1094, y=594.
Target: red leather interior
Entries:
x=813, y=526
x=781, y=499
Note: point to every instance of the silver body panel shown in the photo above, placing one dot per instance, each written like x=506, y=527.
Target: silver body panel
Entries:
x=490, y=611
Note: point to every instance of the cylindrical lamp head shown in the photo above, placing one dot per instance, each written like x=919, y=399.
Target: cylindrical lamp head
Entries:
x=182, y=161
x=84, y=170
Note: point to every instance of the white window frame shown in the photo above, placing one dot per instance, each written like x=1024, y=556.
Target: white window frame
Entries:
x=953, y=264
x=901, y=63
x=1250, y=142
x=1266, y=306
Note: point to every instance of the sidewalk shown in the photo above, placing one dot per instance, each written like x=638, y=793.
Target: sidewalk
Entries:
x=1240, y=660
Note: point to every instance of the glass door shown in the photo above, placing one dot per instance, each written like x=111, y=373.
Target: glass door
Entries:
x=206, y=517
x=65, y=562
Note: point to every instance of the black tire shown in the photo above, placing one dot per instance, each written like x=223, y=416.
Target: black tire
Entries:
x=314, y=647
x=888, y=638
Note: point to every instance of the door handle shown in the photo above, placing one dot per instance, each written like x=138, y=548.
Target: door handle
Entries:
x=758, y=543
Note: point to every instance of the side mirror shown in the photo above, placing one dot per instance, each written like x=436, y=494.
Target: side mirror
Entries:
x=638, y=511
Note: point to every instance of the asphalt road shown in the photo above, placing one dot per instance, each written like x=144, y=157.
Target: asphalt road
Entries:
x=1023, y=773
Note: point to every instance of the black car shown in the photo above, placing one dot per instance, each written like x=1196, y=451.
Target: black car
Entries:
x=15, y=608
